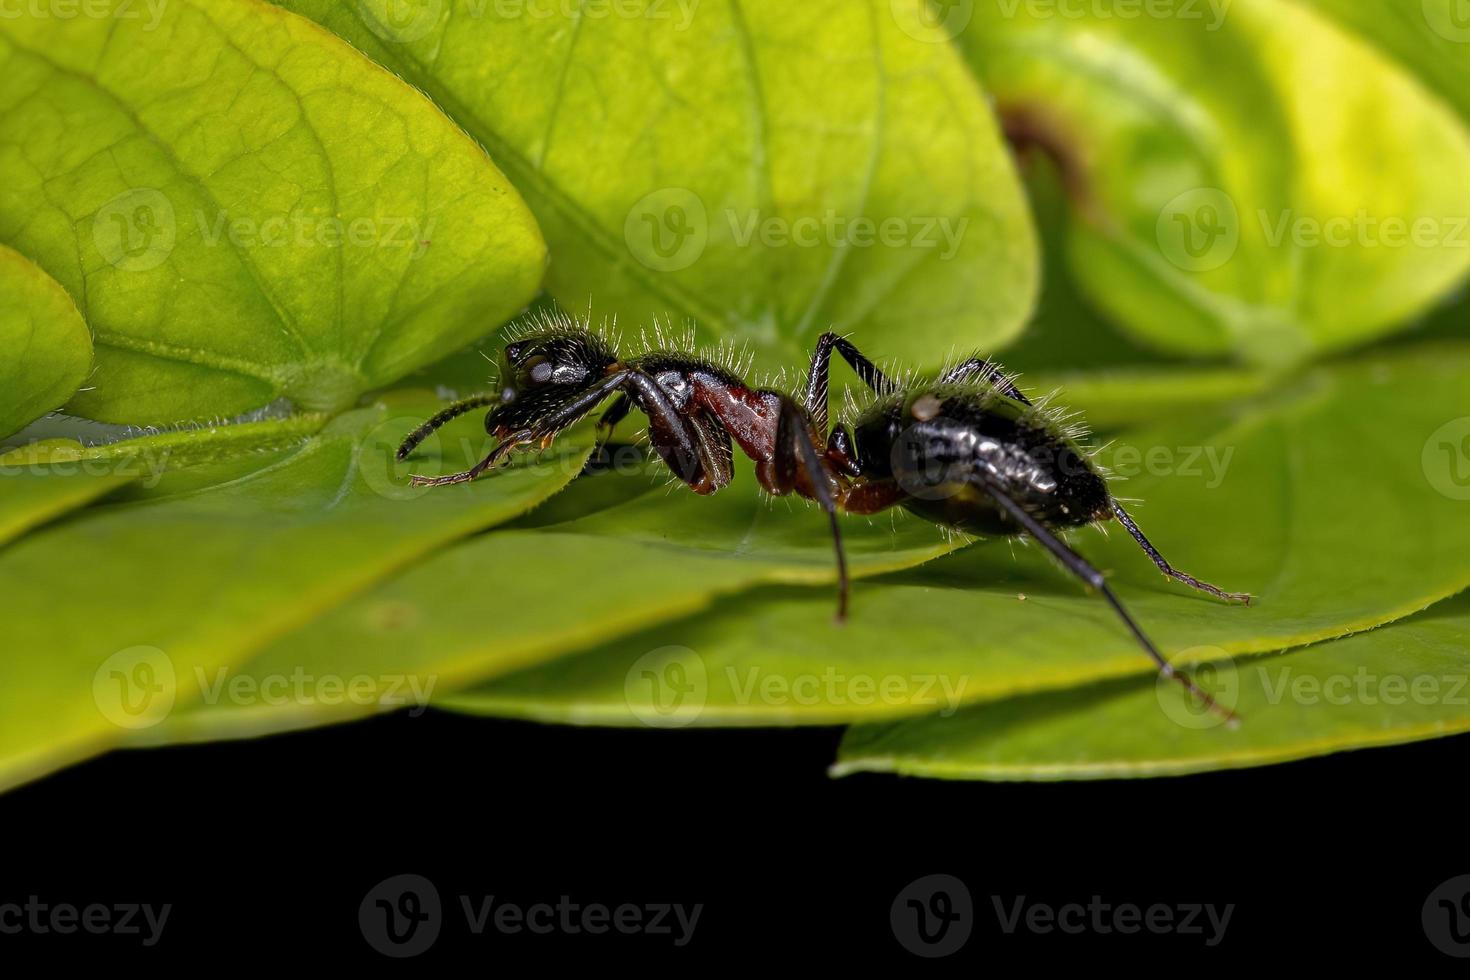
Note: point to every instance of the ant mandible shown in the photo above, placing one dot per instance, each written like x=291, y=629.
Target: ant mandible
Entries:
x=969, y=451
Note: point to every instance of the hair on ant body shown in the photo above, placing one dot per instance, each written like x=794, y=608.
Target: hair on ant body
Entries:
x=967, y=451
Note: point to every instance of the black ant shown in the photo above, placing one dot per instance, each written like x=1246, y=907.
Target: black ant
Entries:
x=968, y=451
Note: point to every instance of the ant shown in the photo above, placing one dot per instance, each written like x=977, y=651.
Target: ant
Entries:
x=968, y=451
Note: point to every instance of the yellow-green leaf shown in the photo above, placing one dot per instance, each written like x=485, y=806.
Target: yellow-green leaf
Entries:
x=245, y=208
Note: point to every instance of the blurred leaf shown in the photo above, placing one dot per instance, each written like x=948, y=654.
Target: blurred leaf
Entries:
x=47, y=347
x=1400, y=683
x=42, y=480
x=737, y=163
x=1428, y=38
x=1340, y=504
x=150, y=594
x=246, y=208
x=1249, y=180
x=513, y=598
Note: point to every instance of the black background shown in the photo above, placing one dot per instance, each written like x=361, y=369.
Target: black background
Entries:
x=266, y=848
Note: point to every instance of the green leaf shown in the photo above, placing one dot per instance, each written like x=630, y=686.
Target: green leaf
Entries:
x=245, y=208
x=730, y=162
x=47, y=347
x=43, y=480
x=1400, y=683
x=1429, y=39
x=1339, y=503
x=135, y=603
x=507, y=600
x=1250, y=180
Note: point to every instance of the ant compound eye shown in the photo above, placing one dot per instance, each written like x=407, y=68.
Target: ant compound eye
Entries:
x=542, y=371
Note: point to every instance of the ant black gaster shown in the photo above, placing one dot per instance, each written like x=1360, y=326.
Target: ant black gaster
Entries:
x=969, y=451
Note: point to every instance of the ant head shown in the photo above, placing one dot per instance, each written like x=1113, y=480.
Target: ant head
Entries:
x=557, y=361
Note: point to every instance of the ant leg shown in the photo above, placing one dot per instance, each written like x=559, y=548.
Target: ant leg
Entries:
x=543, y=431
x=616, y=413
x=795, y=436
x=989, y=373
x=817, y=377
x=1170, y=570
x=447, y=415
x=504, y=449
x=1080, y=567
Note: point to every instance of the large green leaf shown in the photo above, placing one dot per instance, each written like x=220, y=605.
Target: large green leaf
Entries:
x=131, y=606
x=1400, y=683
x=1430, y=38
x=1250, y=178
x=245, y=208
x=731, y=161
x=47, y=349
x=514, y=598
x=42, y=480
x=1341, y=504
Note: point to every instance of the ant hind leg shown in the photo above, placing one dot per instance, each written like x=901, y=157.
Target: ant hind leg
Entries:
x=1168, y=569
x=1084, y=570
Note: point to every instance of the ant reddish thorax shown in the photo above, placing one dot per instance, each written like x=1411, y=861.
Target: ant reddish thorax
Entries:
x=968, y=450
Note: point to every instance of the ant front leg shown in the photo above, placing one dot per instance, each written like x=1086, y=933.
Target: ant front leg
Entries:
x=542, y=431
